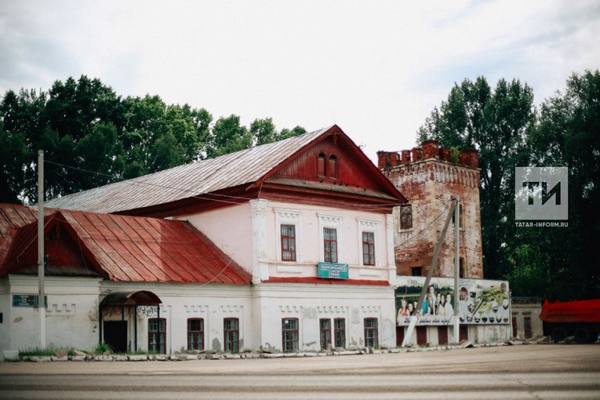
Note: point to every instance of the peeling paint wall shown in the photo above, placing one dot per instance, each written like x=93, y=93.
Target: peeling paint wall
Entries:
x=429, y=177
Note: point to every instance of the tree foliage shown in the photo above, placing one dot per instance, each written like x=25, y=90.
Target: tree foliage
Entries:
x=508, y=131
x=104, y=138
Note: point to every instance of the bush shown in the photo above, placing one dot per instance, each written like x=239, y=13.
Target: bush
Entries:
x=102, y=348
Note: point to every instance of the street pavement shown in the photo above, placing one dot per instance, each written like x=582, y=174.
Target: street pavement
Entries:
x=508, y=372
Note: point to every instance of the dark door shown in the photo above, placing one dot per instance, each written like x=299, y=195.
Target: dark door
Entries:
x=514, y=320
x=115, y=335
x=421, y=335
x=527, y=327
x=399, y=335
x=442, y=335
x=463, y=333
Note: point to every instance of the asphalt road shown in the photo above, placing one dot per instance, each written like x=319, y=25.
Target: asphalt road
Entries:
x=512, y=372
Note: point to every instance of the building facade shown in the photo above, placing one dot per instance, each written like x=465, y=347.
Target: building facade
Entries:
x=286, y=246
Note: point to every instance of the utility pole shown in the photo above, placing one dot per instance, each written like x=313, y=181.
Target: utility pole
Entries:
x=456, y=321
x=436, y=254
x=40, y=238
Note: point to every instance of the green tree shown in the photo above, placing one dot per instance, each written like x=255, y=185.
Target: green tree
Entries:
x=496, y=123
x=568, y=134
x=227, y=136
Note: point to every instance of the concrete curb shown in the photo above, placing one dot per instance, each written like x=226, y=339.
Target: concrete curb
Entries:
x=253, y=355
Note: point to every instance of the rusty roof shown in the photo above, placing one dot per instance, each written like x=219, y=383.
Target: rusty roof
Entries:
x=125, y=248
x=189, y=180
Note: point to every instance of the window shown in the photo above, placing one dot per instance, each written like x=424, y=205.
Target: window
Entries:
x=195, y=332
x=157, y=335
x=325, y=328
x=406, y=216
x=416, y=271
x=321, y=165
x=288, y=242
x=368, y=248
x=371, y=333
x=461, y=264
x=339, y=332
x=332, y=166
x=231, y=332
x=330, y=244
x=289, y=335
x=460, y=216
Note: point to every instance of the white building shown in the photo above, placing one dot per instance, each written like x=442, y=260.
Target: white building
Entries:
x=288, y=245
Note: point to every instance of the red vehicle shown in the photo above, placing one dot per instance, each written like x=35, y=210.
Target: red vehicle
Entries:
x=579, y=318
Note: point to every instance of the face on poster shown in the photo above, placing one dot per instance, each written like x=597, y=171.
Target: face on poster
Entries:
x=479, y=301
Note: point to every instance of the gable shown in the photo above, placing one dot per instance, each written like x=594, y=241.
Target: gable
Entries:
x=338, y=161
x=65, y=255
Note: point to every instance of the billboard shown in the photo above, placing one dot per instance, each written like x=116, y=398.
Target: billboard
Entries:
x=480, y=301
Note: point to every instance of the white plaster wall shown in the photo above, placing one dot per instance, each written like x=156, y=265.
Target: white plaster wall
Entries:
x=213, y=303
x=309, y=303
x=533, y=310
x=310, y=221
x=230, y=228
x=71, y=317
x=5, y=310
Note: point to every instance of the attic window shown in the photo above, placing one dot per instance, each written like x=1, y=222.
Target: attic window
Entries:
x=332, y=166
x=321, y=165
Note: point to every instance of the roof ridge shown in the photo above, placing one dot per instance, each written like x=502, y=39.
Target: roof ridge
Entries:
x=145, y=179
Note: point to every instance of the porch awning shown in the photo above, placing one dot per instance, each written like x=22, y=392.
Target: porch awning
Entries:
x=136, y=298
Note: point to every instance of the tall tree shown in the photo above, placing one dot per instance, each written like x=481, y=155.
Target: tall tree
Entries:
x=568, y=134
x=495, y=122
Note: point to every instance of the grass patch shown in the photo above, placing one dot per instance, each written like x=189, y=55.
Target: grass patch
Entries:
x=36, y=351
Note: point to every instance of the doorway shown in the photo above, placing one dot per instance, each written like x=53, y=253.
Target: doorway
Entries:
x=115, y=335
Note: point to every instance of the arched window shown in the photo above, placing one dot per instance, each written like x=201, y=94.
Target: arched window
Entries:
x=321, y=165
x=332, y=166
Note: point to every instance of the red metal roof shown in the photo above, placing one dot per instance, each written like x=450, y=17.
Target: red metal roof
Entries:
x=125, y=248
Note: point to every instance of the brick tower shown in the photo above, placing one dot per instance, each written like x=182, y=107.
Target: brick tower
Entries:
x=429, y=177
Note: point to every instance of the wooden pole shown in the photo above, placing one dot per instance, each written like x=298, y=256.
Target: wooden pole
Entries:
x=41, y=263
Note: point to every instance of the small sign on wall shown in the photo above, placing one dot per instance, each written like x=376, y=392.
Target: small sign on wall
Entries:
x=27, y=300
x=332, y=270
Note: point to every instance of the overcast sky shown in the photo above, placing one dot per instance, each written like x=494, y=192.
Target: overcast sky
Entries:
x=376, y=68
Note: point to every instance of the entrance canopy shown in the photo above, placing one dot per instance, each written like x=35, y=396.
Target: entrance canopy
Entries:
x=136, y=298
